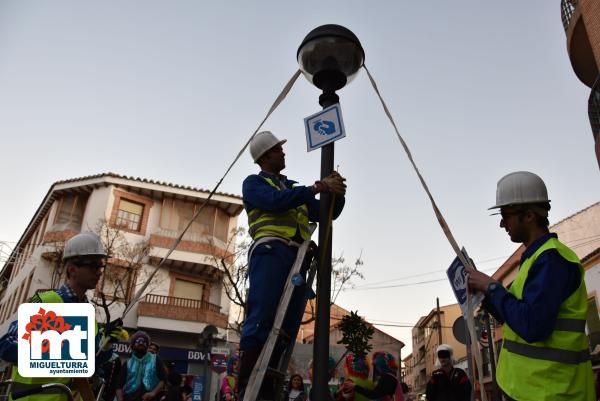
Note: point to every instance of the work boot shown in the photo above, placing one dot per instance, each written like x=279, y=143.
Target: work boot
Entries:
x=248, y=358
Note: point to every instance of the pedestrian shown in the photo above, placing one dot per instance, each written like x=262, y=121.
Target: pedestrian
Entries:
x=295, y=389
x=154, y=348
x=187, y=392
x=175, y=391
x=229, y=384
x=111, y=370
x=143, y=375
x=447, y=382
x=84, y=258
x=279, y=212
x=544, y=354
x=386, y=387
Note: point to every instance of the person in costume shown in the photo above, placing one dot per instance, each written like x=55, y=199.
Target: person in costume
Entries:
x=357, y=376
x=144, y=374
x=229, y=384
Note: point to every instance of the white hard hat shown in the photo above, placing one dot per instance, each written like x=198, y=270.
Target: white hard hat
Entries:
x=444, y=347
x=520, y=187
x=84, y=244
x=262, y=142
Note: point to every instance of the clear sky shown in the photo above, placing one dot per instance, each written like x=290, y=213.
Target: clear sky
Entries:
x=172, y=90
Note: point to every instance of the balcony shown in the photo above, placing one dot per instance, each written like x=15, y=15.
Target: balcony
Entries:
x=582, y=32
x=567, y=8
x=154, y=309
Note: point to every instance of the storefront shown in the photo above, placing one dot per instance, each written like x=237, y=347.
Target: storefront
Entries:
x=201, y=370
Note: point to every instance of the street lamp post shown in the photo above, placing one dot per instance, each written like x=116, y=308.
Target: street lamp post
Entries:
x=329, y=57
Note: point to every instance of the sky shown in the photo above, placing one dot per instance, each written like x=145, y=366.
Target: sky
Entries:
x=171, y=91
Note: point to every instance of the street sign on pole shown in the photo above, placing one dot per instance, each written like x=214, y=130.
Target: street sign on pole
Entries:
x=324, y=127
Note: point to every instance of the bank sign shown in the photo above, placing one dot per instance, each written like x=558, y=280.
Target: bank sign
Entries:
x=56, y=340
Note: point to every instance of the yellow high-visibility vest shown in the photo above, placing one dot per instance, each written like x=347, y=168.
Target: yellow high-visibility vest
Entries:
x=262, y=223
x=557, y=368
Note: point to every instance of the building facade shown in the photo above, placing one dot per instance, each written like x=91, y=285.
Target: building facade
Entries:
x=429, y=332
x=581, y=20
x=139, y=221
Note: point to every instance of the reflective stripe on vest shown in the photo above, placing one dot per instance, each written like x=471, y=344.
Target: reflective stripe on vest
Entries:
x=285, y=224
x=546, y=353
x=557, y=368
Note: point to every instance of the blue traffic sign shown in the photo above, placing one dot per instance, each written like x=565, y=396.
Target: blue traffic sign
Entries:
x=324, y=127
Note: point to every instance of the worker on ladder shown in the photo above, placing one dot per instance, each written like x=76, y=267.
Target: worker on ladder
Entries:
x=279, y=212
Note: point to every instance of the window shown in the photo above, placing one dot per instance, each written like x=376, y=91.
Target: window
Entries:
x=117, y=282
x=176, y=214
x=221, y=225
x=70, y=210
x=188, y=289
x=593, y=323
x=24, y=297
x=129, y=215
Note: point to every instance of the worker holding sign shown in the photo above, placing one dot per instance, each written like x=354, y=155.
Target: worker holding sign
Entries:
x=544, y=355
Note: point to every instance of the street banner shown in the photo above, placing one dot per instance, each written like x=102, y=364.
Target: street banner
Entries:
x=458, y=280
x=324, y=127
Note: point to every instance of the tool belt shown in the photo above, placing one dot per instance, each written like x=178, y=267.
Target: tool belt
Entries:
x=263, y=240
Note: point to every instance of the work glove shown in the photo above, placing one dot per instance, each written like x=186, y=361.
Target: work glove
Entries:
x=335, y=183
x=114, y=332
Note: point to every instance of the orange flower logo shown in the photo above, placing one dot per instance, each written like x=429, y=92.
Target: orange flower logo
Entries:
x=44, y=321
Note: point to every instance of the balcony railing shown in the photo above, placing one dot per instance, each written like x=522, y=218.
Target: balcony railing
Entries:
x=194, y=310
x=567, y=9
x=182, y=302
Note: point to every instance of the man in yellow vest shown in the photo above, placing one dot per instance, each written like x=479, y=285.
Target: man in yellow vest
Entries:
x=279, y=212
x=545, y=351
x=84, y=258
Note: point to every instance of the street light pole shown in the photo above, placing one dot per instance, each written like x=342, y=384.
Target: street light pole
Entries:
x=329, y=57
x=321, y=342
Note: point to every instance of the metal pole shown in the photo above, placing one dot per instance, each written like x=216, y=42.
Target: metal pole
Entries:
x=470, y=361
x=488, y=329
x=439, y=321
x=321, y=344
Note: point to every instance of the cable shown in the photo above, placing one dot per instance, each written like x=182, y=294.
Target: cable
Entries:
x=406, y=284
x=368, y=285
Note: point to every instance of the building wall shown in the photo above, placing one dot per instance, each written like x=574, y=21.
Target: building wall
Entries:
x=425, y=339
x=583, y=41
x=36, y=271
x=590, y=13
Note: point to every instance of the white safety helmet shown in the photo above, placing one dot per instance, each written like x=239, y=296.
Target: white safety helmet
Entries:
x=262, y=142
x=519, y=188
x=443, y=347
x=84, y=244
